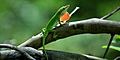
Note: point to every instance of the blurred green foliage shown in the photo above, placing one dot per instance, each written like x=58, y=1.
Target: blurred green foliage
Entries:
x=21, y=19
x=112, y=47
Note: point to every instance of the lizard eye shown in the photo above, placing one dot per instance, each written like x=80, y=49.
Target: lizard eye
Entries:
x=67, y=6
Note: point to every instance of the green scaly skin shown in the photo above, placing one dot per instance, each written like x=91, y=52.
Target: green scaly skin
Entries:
x=51, y=24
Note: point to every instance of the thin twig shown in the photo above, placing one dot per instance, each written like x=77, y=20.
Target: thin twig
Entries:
x=108, y=46
x=74, y=11
x=17, y=49
x=111, y=13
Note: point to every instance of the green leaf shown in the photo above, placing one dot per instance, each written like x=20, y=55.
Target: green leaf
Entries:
x=117, y=38
x=112, y=47
x=104, y=46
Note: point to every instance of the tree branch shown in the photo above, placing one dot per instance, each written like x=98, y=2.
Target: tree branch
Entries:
x=15, y=55
x=26, y=55
x=91, y=26
x=52, y=55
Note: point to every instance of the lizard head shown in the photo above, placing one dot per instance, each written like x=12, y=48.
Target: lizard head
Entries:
x=63, y=9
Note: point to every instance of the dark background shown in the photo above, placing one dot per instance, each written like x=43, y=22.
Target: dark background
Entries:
x=21, y=19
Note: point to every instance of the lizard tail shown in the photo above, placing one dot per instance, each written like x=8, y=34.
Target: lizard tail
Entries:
x=44, y=49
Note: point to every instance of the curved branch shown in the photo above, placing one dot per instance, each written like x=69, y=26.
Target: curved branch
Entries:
x=17, y=49
x=52, y=55
x=15, y=55
x=91, y=26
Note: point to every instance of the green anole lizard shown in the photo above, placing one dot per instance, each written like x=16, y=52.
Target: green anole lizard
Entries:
x=51, y=24
x=57, y=17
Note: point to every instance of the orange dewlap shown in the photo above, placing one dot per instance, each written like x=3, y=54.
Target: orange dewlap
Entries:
x=65, y=17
